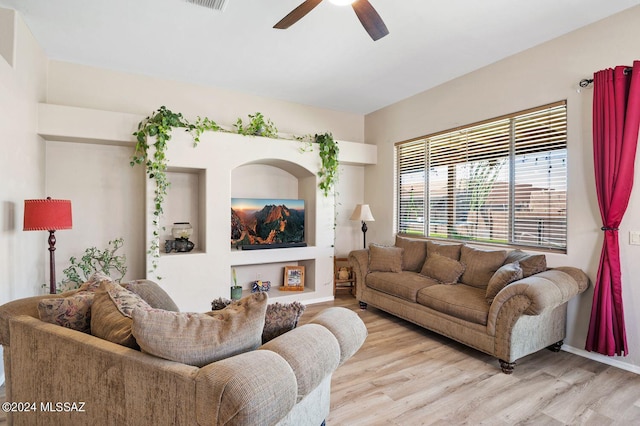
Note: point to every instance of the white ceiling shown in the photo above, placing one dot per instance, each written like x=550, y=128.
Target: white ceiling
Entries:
x=325, y=60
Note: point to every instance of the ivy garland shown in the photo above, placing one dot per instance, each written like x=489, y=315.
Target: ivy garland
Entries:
x=163, y=121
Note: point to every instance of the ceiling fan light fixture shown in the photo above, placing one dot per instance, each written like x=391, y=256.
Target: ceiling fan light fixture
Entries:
x=342, y=2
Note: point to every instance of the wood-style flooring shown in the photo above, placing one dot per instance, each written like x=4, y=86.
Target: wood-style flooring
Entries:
x=405, y=375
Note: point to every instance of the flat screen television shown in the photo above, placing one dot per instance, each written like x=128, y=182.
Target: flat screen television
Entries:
x=260, y=223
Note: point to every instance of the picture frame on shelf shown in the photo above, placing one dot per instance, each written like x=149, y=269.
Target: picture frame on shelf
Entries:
x=293, y=278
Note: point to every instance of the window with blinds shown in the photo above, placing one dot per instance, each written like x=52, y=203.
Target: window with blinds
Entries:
x=501, y=181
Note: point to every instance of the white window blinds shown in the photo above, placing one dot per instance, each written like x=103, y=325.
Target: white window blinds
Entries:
x=502, y=181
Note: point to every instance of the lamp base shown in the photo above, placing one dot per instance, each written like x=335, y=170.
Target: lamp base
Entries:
x=364, y=233
x=52, y=263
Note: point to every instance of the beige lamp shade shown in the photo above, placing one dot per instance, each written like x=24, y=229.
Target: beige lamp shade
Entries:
x=362, y=212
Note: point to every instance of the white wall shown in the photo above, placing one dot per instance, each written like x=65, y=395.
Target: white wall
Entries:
x=22, y=86
x=544, y=74
x=107, y=197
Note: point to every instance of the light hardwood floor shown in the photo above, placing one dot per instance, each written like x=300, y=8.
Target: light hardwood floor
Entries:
x=404, y=375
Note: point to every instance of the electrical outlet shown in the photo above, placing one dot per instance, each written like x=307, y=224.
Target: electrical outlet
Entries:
x=634, y=238
x=258, y=277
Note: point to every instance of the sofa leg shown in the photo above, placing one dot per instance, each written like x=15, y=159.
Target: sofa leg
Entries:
x=363, y=305
x=556, y=346
x=507, y=367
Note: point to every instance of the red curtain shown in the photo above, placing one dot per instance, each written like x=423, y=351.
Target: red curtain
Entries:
x=616, y=121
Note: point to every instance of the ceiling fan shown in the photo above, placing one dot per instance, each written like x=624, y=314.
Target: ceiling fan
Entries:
x=371, y=21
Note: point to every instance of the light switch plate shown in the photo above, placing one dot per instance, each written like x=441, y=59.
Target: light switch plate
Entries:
x=634, y=238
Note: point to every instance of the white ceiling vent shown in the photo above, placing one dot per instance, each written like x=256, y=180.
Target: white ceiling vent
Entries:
x=218, y=5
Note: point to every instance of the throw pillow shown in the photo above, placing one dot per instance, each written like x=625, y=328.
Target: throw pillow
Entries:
x=111, y=314
x=200, y=339
x=414, y=254
x=74, y=311
x=451, y=251
x=504, y=276
x=385, y=259
x=152, y=293
x=531, y=264
x=279, y=318
x=481, y=265
x=442, y=269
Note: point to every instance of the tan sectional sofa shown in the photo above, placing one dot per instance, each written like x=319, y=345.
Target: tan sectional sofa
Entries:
x=506, y=303
x=285, y=382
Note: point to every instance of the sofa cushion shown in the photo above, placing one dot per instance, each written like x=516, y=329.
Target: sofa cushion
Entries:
x=447, y=250
x=404, y=285
x=152, y=293
x=480, y=265
x=415, y=252
x=531, y=264
x=504, y=276
x=200, y=339
x=385, y=259
x=442, y=269
x=460, y=301
x=111, y=314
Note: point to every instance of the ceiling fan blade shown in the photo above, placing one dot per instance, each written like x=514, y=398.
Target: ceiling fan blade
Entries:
x=371, y=21
x=297, y=14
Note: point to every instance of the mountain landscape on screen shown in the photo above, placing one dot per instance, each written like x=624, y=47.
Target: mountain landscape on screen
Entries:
x=267, y=223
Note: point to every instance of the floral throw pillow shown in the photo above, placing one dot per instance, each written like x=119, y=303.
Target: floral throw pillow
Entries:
x=73, y=312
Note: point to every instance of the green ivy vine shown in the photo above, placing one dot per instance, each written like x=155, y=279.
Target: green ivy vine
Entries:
x=162, y=121
x=328, y=150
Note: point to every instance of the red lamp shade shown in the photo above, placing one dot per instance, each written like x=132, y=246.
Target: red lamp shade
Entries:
x=47, y=215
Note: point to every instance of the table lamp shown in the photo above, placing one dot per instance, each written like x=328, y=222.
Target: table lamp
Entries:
x=362, y=212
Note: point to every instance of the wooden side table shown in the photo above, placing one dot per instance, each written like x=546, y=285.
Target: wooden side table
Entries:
x=343, y=276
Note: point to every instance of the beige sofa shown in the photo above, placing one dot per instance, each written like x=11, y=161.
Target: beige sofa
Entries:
x=518, y=314
x=72, y=377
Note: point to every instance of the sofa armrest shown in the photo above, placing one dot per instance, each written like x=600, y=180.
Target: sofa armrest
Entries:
x=262, y=386
x=534, y=295
x=253, y=388
x=359, y=262
x=347, y=327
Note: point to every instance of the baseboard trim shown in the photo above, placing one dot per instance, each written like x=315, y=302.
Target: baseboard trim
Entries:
x=614, y=362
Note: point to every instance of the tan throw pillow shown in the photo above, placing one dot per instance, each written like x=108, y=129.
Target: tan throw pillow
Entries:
x=152, y=293
x=480, y=265
x=200, y=339
x=452, y=251
x=442, y=269
x=531, y=264
x=504, y=276
x=111, y=314
x=385, y=259
x=415, y=252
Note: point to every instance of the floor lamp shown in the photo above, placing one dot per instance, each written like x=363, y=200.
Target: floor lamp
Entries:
x=362, y=212
x=48, y=215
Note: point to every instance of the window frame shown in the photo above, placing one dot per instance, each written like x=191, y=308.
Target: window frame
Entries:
x=558, y=151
